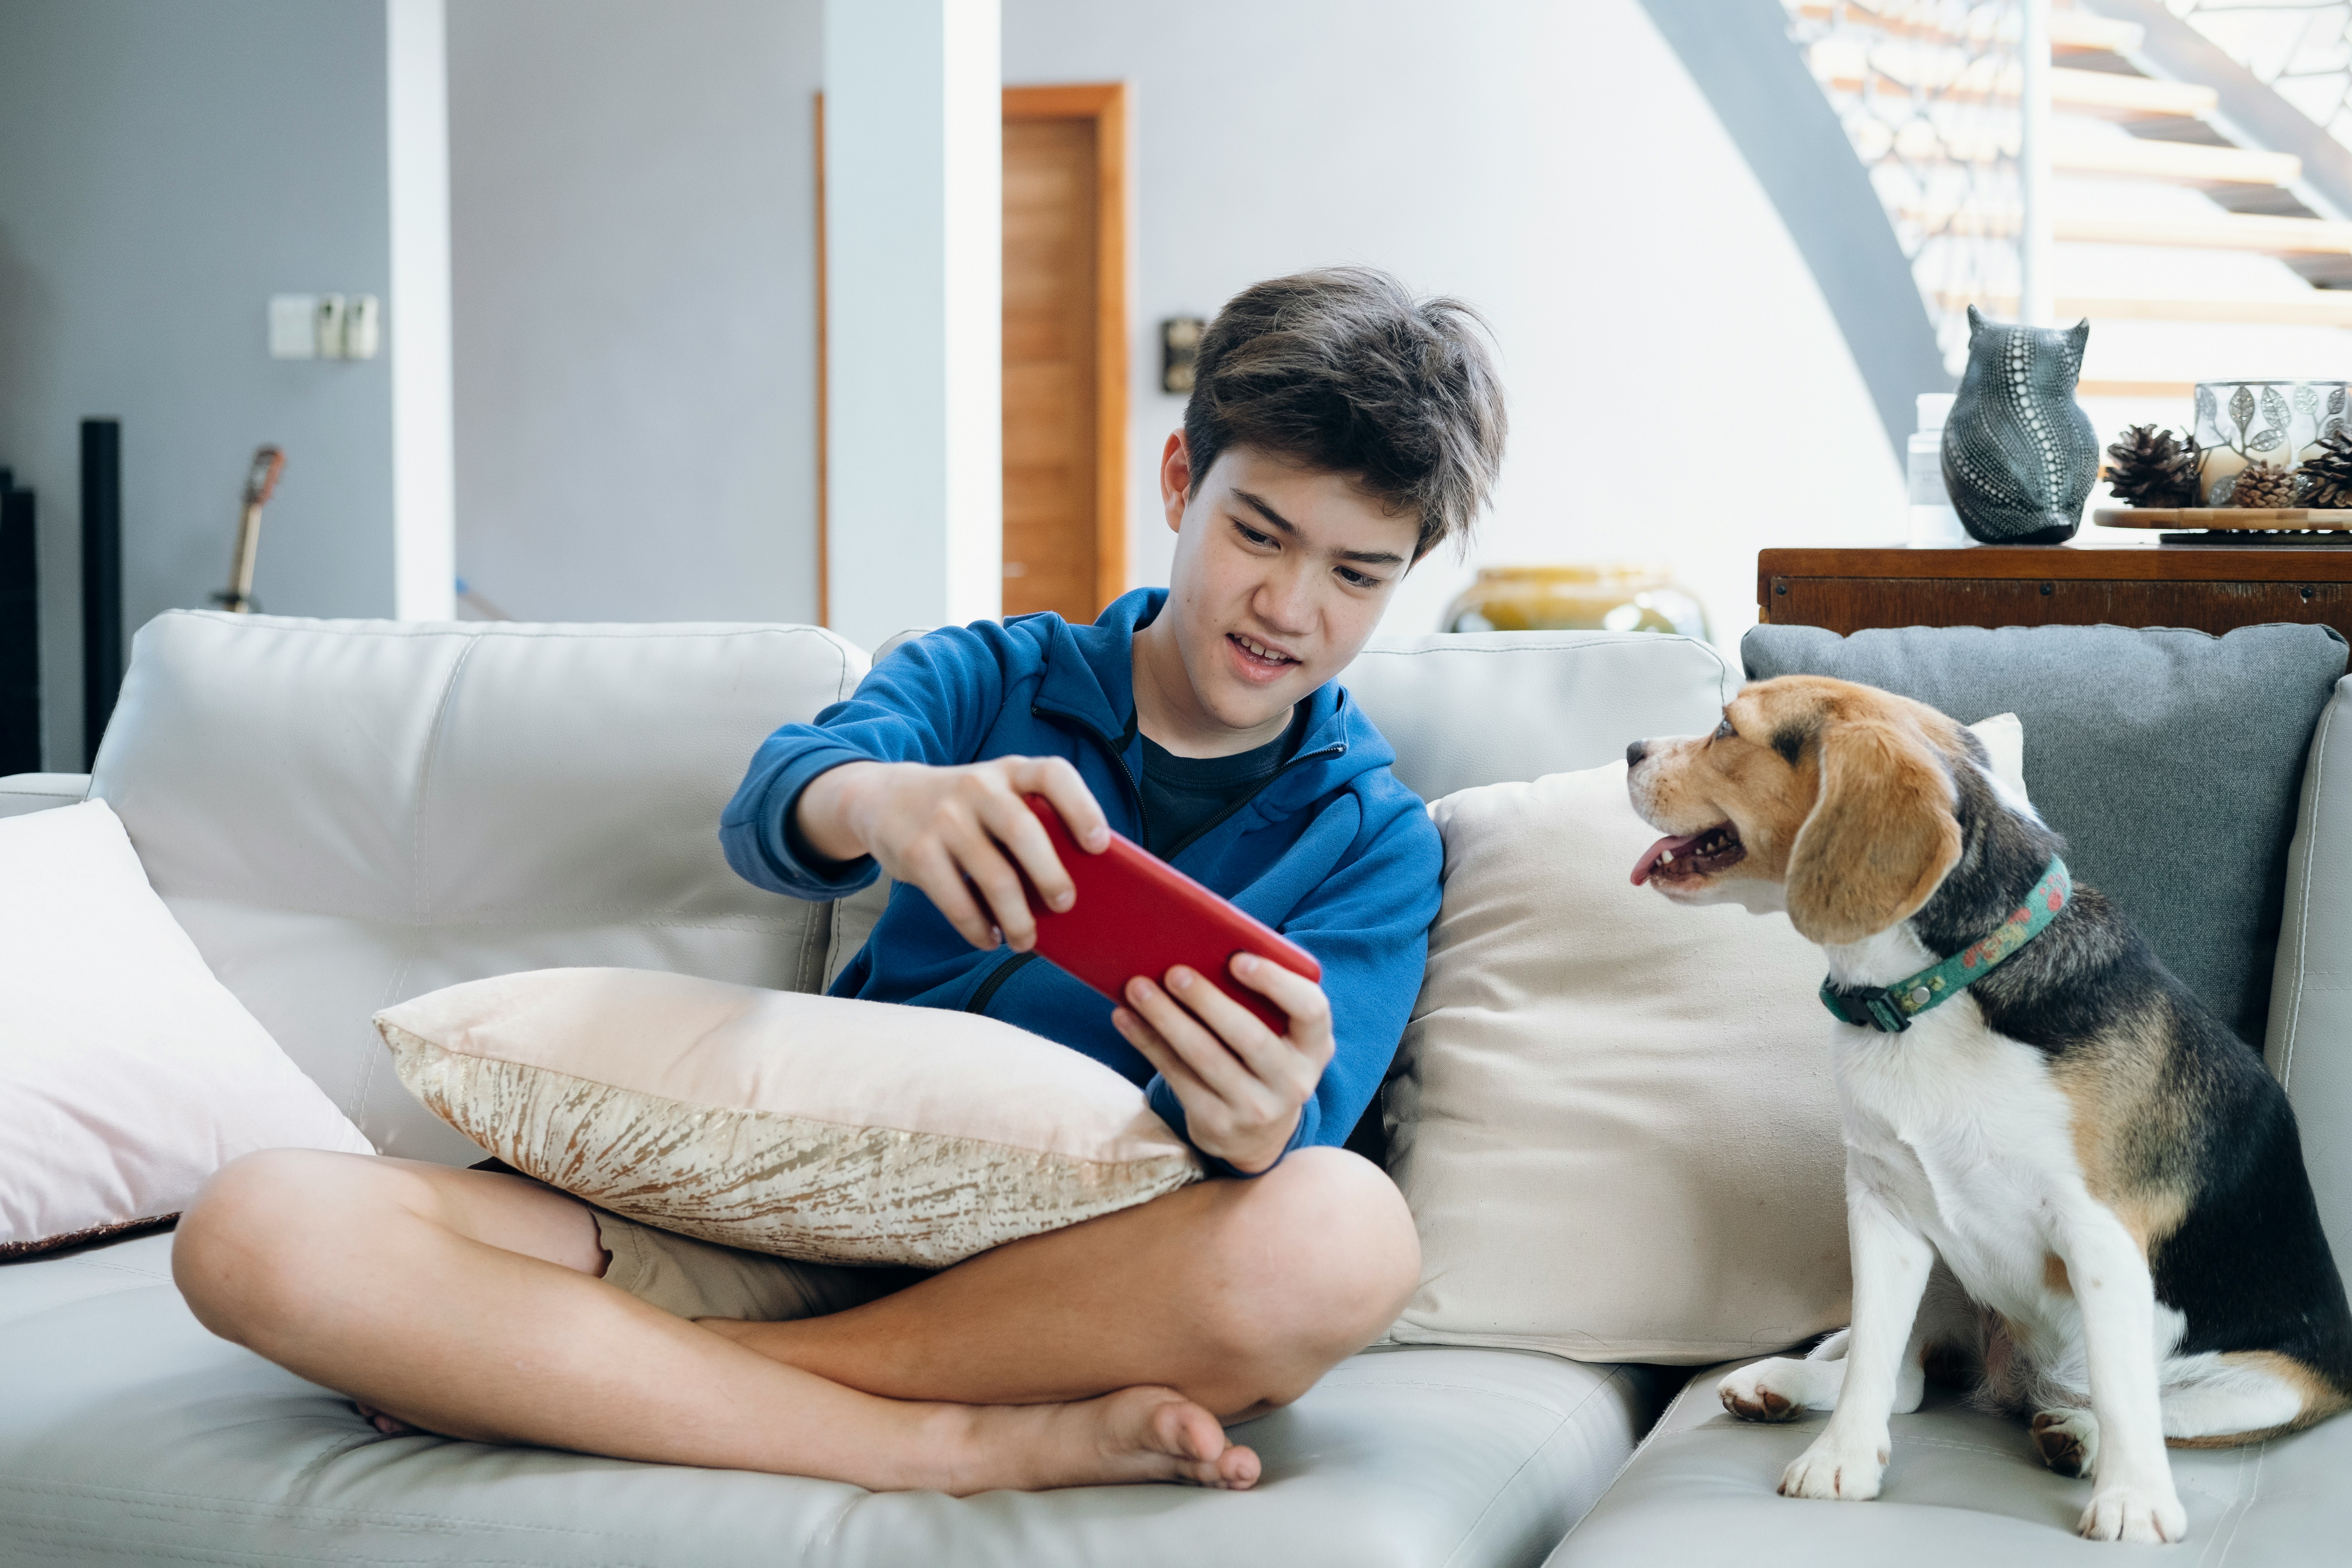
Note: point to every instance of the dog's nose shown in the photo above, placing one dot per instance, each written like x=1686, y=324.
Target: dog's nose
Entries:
x=1635, y=753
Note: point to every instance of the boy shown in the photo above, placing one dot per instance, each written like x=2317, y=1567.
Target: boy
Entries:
x=1337, y=431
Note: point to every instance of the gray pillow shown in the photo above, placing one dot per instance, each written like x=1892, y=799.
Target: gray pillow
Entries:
x=2170, y=759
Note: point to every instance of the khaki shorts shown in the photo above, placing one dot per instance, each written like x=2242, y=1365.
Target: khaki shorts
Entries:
x=701, y=1280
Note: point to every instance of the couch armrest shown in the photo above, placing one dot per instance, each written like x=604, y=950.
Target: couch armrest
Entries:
x=22, y=792
x=2311, y=990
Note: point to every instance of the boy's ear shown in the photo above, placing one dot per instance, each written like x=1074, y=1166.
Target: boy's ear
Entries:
x=1176, y=477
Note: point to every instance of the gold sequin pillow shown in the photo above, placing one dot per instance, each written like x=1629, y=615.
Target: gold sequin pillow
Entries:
x=813, y=1127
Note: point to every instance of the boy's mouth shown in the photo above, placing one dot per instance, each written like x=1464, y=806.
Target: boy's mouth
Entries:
x=1257, y=659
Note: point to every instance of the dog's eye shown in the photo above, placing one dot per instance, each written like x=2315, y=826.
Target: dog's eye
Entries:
x=1724, y=731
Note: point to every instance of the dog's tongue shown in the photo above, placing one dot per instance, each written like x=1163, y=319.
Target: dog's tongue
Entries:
x=1649, y=861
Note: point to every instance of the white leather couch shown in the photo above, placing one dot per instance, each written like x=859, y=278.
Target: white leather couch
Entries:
x=343, y=815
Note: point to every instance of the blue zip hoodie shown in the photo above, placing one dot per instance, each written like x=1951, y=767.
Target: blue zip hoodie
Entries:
x=1333, y=852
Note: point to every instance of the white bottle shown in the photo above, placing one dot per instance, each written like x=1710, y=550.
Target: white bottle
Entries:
x=1934, y=523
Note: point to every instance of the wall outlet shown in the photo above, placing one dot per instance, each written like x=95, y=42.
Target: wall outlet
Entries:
x=328, y=315
x=363, y=326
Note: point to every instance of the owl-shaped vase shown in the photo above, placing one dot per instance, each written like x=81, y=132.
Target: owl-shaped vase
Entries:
x=2020, y=457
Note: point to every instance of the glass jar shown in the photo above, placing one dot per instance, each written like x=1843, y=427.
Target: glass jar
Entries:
x=1603, y=598
x=2241, y=423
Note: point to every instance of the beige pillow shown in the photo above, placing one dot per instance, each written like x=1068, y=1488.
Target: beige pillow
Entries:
x=813, y=1126
x=1615, y=1121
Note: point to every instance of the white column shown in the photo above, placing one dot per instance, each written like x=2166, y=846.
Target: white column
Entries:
x=416, y=317
x=2033, y=163
x=914, y=285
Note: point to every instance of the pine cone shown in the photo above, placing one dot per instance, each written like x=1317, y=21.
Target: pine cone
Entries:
x=2327, y=477
x=2265, y=485
x=2150, y=467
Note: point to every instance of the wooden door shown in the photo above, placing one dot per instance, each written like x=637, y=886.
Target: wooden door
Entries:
x=1065, y=349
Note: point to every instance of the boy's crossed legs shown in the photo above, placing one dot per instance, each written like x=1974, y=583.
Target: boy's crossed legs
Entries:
x=467, y=1303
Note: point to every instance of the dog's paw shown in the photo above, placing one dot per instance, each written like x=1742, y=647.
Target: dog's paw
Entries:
x=1774, y=1390
x=1836, y=1472
x=2067, y=1441
x=2149, y=1515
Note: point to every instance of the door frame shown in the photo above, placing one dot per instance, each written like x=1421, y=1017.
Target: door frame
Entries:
x=1106, y=104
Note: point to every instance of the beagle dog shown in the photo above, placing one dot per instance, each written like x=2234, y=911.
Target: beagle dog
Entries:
x=2129, y=1250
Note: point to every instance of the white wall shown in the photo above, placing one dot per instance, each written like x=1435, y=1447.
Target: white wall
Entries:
x=1678, y=389
x=635, y=293
x=164, y=168
x=633, y=199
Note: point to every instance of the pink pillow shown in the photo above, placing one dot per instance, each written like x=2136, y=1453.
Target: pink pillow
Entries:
x=127, y=1073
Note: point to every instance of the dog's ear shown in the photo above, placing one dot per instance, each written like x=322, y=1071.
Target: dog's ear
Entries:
x=1881, y=834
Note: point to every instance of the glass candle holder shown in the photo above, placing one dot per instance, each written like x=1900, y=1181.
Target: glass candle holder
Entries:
x=2241, y=423
x=1613, y=598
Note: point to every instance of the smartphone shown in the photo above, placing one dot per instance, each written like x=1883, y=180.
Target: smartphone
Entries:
x=1136, y=914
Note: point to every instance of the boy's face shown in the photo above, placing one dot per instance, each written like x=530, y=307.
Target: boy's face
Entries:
x=1281, y=574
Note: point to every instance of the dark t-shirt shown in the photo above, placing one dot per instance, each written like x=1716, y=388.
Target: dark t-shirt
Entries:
x=1183, y=797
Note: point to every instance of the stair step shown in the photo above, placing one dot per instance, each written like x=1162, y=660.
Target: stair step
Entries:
x=2069, y=30
x=2186, y=163
x=2223, y=231
x=2079, y=30
x=2325, y=308
x=1846, y=65
x=2111, y=93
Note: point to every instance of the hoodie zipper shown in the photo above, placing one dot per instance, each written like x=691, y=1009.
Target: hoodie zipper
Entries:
x=996, y=981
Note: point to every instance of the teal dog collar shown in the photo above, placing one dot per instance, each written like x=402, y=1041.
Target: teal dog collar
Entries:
x=1889, y=1009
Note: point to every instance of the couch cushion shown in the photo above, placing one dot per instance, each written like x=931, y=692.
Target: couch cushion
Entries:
x=1962, y=1490
x=2170, y=759
x=1613, y=1115
x=130, y=1434
x=23, y=793
x=347, y=814
x=1492, y=706
x=2311, y=1011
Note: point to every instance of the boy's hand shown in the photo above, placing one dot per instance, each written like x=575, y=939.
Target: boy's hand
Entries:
x=957, y=833
x=1240, y=1083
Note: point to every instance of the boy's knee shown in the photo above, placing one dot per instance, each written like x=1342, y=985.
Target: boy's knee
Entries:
x=244, y=1253
x=1319, y=1258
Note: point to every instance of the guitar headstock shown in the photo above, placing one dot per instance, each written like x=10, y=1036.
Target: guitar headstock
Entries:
x=261, y=479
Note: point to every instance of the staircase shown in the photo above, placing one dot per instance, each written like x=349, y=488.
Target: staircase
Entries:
x=2202, y=199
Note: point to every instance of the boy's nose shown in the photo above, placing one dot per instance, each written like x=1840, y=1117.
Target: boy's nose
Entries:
x=1635, y=753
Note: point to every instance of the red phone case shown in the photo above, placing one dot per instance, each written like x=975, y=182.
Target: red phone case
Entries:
x=1136, y=914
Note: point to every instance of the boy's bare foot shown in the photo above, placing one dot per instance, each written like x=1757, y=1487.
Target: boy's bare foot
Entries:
x=1134, y=1435
x=389, y=1426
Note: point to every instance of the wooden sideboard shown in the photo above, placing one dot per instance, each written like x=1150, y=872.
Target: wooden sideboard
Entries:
x=2207, y=587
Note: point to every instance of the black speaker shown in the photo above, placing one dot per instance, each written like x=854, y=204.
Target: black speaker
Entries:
x=102, y=576
x=20, y=633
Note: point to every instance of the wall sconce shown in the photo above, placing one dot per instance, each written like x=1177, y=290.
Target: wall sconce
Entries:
x=1180, y=340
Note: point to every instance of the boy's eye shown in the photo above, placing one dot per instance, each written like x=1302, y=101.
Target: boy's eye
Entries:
x=1252, y=535
x=1355, y=579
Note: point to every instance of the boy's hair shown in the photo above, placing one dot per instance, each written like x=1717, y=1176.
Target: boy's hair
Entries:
x=1343, y=371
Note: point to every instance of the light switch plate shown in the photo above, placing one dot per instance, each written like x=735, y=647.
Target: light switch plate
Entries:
x=293, y=326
